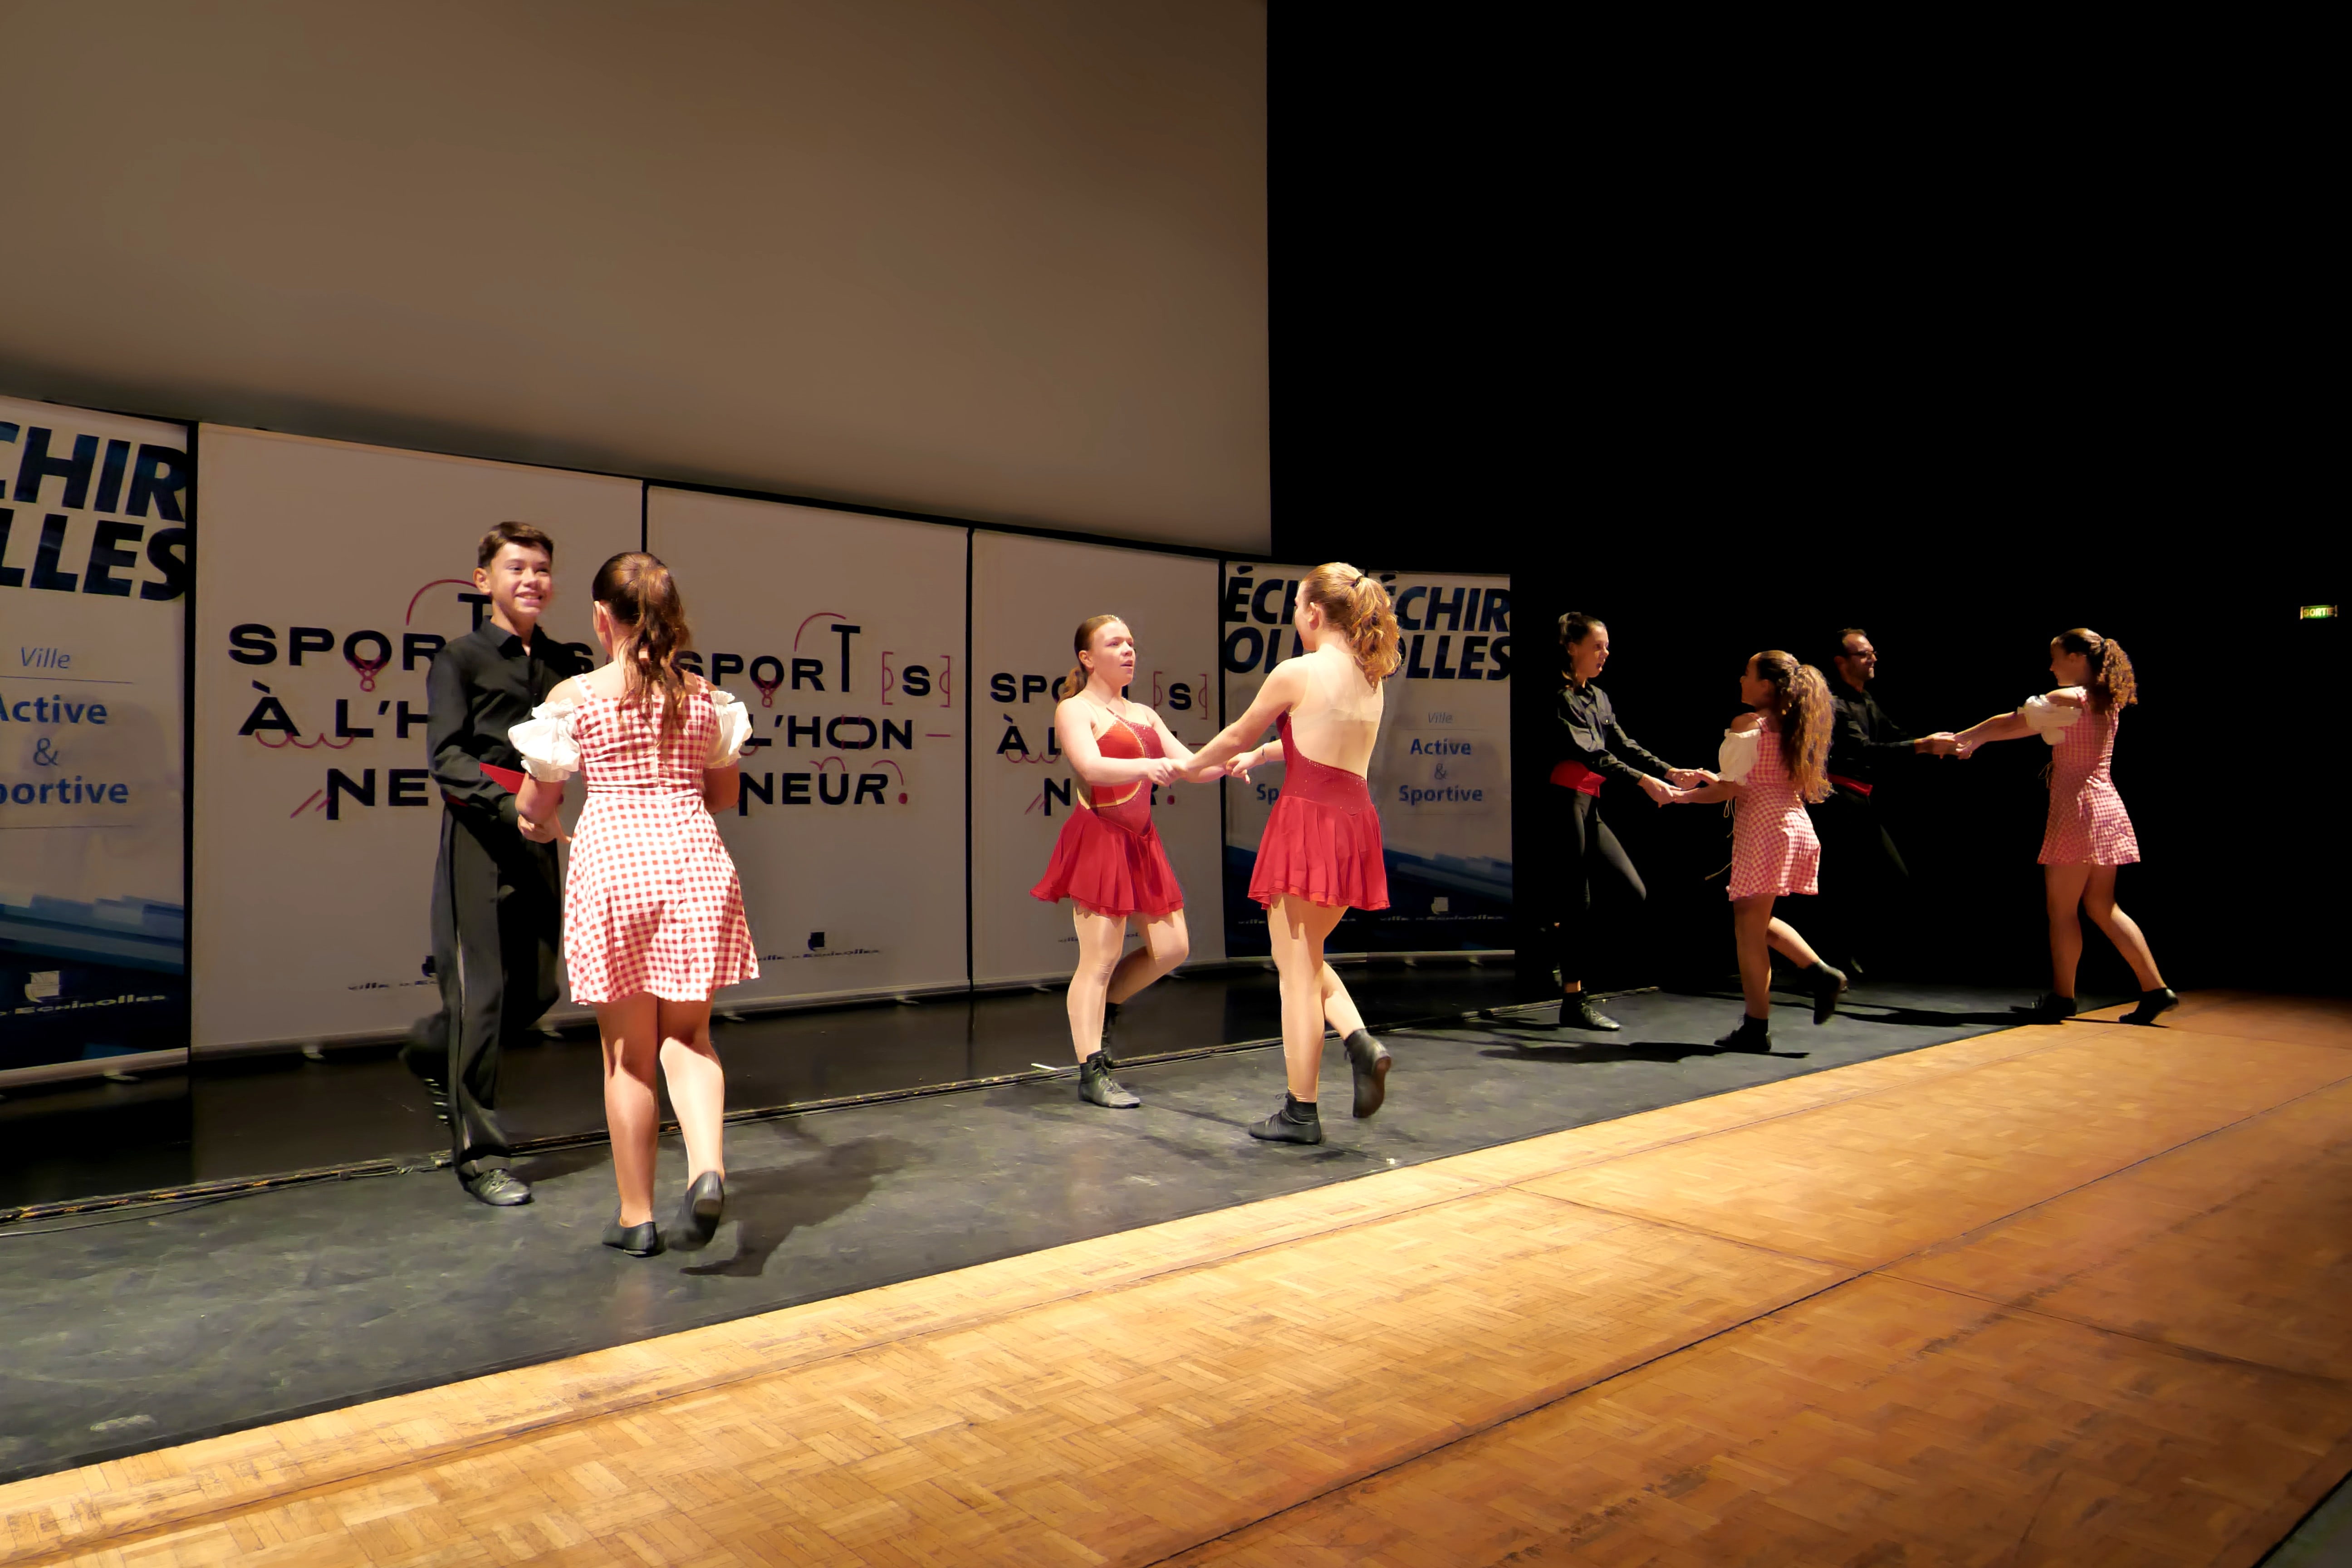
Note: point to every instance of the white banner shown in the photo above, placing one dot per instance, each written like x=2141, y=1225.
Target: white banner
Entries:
x=844, y=634
x=1027, y=597
x=94, y=569
x=331, y=574
x=1441, y=778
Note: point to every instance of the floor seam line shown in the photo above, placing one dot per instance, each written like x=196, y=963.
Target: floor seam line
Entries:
x=1684, y=1228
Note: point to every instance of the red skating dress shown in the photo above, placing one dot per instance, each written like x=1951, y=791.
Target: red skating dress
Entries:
x=2088, y=825
x=1108, y=858
x=1774, y=849
x=1322, y=841
x=651, y=902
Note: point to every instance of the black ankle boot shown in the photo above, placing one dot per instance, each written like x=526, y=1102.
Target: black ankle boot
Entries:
x=1577, y=1012
x=1828, y=984
x=1110, y=1028
x=1370, y=1059
x=1096, y=1087
x=1753, y=1034
x=2151, y=1003
x=2050, y=1008
x=1296, y=1122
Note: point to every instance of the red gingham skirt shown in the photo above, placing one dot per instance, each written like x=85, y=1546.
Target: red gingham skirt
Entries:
x=651, y=902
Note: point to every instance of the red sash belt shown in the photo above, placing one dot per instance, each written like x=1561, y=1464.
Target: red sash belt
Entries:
x=1575, y=776
x=1854, y=785
x=505, y=779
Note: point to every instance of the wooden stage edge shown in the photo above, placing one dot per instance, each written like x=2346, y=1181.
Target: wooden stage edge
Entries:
x=2064, y=1294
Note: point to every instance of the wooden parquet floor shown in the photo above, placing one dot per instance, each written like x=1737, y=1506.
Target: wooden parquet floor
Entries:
x=2066, y=1295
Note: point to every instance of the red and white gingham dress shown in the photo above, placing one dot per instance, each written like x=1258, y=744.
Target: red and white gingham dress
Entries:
x=651, y=901
x=1774, y=849
x=2088, y=825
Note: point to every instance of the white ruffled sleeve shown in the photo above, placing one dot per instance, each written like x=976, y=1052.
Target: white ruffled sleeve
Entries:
x=2050, y=720
x=734, y=728
x=550, y=754
x=1735, y=758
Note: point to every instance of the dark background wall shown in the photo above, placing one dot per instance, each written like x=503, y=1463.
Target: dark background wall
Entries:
x=1734, y=374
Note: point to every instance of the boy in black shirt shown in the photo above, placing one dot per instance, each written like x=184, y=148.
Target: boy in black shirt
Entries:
x=497, y=904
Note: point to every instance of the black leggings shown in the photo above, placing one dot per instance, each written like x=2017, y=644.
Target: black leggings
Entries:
x=1585, y=852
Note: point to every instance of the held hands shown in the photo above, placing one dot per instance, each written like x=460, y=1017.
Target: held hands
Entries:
x=1690, y=778
x=1658, y=790
x=541, y=832
x=1161, y=771
x=1238, y=766
x=1942, y=743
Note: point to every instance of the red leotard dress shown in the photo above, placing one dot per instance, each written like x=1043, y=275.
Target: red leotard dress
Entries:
x=1108, y=858
x=2088, y=824
x=1322, y=841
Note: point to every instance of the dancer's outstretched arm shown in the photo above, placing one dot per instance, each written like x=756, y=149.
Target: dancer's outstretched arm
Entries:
x=1280, y=693
x=2013, y=725
x=1074, y=725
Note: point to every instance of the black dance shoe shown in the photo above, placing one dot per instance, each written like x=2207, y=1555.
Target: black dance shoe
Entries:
x=1096, y=1087
x=1828, y=986
x=499, y=1189
x=1110, y=1028
x=2162, y=999
x=636, y=1240
x=1370, y=1060
x=1753, y=1034
x=697, y=1217
x=1577, y=1012
x=2051, y=1008
x=1296, y=1122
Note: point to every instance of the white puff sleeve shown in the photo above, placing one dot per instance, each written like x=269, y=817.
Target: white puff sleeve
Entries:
x=734, y=728
x=550, y=754
x=1735, y=758
x=2050, y=720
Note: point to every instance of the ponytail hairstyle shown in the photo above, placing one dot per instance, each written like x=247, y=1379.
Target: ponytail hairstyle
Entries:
x=2111, y=685
x=1575, y=627
x=1801, y=712
x=1082, y=643
x=638, y=591
x=1355, y=605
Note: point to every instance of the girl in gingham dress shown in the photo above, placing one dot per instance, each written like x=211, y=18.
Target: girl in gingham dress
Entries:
x=2089, y=834
x=1774, y=759
x=653, y=914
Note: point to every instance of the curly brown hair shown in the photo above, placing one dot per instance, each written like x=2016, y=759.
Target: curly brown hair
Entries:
x=638, y=591
x=1801, y=712
x=1357, y=606
x=2110, y=684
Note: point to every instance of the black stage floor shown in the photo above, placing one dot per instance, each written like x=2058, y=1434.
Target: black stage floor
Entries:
x=137, y=1328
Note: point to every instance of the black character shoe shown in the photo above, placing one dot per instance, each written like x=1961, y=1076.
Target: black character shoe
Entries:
x=2162, y=999
x=636, y=1240
x=2052, y=1008
x=1096, y=1087
x=1296, y=1122
x=1577, y=1012
x=1753, y=1034
x=1370, y=1060
x=1828, y=984
x=499, y=1189
x=697, y=1217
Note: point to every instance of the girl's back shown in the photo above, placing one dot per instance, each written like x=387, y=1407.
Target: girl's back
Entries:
x=1337, y=718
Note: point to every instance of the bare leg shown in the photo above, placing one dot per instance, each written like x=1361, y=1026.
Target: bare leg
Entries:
x=1297, y=929
x=2063, y=887
x=1165, y=944
x=698, y=1084
x=1339, y=1007
x=2099, y=903
x=1100, y=937
x=1751, y=925
x=632, y=1111
x=1784, y=940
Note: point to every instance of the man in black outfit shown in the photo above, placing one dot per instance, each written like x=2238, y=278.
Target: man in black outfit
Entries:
x=1863, y=874
x=497, y=909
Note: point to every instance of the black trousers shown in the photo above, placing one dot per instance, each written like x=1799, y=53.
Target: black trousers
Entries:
x=497, y=935
x=1586, y=859
x=1864, y=880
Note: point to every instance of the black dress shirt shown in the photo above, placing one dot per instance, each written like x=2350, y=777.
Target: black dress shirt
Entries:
x=1861, y=737
x=1594, y=737
x=481, y=686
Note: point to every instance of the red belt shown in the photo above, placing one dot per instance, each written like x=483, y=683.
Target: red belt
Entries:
x=1854, y=785
x=505, y=779
x=1575, y=776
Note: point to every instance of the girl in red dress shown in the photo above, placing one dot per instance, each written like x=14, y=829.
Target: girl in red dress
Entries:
x=1109, y=861
x=1774, y=759
x=653, y=914
x=1320, y=853
x=2088, y=833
